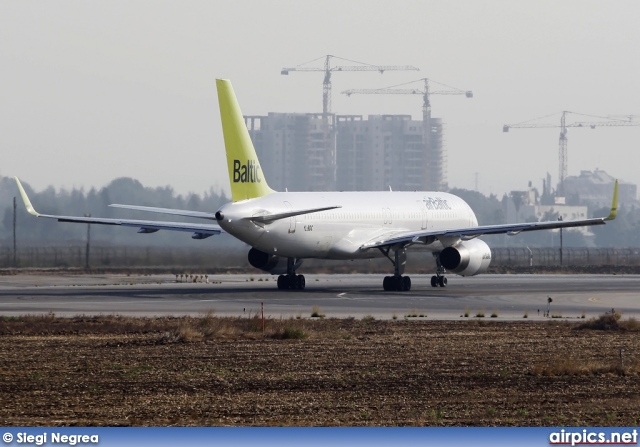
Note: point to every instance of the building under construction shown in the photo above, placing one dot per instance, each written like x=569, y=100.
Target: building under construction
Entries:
x=297, y=151
x=305, y=152
x=324, y=152
x=388, y=151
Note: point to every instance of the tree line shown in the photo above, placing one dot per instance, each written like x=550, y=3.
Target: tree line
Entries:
x=621, y=233
x=31, y=231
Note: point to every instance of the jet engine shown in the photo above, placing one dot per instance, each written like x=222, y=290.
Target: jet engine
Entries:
x=276, y=265
x=467, y=258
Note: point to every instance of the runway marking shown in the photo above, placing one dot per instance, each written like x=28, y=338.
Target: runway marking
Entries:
x=341, y=295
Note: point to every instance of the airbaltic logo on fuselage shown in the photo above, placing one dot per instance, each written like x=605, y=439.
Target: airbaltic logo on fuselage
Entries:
x=436, y=203
x=249, y=173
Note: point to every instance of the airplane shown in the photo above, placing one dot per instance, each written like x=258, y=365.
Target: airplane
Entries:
x=284, y=228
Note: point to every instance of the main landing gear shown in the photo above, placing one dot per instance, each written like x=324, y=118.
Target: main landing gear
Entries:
x=439, y=280
x=397, y=282
x=291, y=281
x=401, y=283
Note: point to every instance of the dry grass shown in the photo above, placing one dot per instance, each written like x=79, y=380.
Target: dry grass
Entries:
x=611, y=321
x=577, y=367
x=167, y=329
x=209, y=370
x=291, y=333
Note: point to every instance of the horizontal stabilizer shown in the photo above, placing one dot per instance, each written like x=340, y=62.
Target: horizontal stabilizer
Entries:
x=273, y=217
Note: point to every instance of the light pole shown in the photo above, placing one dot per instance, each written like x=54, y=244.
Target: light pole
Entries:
x=86, y=259
x=15, y=253
x=560, y=219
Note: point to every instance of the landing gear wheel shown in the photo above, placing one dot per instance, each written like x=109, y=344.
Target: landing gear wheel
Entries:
x=396, y=283
x=442, y=281
x=406, y=283
x=291, y=282
x=300, y=282
x=434, y=281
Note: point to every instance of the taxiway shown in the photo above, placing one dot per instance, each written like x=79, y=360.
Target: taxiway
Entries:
x=508, y=296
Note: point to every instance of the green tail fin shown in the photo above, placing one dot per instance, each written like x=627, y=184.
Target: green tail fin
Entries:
x=245, y=174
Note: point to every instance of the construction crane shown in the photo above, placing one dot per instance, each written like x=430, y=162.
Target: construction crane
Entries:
x=329, y=68
x=436, y=157
x=425, y=92
x=606, y=121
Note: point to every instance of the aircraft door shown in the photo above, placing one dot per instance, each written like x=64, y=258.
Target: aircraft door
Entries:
x=386, y=213
x=292, y=219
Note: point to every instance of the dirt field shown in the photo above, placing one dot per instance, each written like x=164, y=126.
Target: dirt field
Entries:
x=224, y=372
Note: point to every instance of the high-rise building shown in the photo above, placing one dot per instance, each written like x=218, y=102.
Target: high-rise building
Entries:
x=305, y=152
x=436, y=158
x=388, y=151
x=296, y=150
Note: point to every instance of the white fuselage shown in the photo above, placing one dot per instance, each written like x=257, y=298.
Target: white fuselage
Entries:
x=340, y=233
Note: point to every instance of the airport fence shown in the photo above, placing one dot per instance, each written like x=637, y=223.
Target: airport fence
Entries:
x=545, y=257
x=110, y=256
x=105, y=256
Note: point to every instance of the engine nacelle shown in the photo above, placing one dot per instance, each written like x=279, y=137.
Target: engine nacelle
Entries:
x=276, y=265
x=466, y=258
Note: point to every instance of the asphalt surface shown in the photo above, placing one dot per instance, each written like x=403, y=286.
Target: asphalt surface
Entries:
x=510, y=297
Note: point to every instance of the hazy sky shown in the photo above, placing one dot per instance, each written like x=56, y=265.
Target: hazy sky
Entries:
x=91, y=91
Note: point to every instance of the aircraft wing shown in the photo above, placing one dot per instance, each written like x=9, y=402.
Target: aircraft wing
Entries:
x=200, y=231
x=466, y=233
x=175, y=212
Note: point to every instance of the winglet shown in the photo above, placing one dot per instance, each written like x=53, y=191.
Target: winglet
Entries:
x=25, y=199
x=614, y=203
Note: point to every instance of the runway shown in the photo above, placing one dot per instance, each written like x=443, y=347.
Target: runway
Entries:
x=510, y=297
